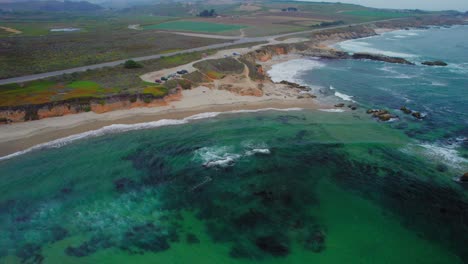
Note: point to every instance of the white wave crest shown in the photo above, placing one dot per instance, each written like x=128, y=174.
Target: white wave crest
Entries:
x=344, y=96
x=332, y=110
x=446, y=153
x=360, y=46
x=289, y=70
x=120, y=128
x=216, y=156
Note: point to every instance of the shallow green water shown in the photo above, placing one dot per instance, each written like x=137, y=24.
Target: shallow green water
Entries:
x=272, y=187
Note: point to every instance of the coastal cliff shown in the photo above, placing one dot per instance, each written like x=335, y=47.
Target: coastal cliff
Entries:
x=23, y=113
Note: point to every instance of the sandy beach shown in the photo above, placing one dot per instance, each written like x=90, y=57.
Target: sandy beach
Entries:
x=20, y=136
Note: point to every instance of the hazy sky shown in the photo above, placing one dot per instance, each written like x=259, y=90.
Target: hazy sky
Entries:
x=461, y=5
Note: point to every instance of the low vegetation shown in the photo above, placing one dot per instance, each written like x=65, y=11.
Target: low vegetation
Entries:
x=131, y=64
x=30, y=55
x=195, y=26
x=156, y=91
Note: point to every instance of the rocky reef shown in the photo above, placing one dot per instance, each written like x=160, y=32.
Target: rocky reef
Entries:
x=382, y=115
x=434, y=63
x=378, y=57
x=415, y=114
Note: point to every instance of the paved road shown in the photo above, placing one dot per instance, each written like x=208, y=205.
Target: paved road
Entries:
x=151, y=57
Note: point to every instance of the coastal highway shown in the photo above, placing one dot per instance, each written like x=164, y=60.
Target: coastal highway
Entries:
x=245, y=40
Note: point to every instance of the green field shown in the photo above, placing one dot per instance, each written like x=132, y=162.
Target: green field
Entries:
x=194, y=26
x=376, y=14
x=44, y=91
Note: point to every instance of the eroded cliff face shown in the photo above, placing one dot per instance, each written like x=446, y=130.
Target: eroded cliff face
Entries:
x=102, y=105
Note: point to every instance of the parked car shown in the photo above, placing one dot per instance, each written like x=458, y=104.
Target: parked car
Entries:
x=158, y=81
x=235, y=54
x=182, y=72
x=164, y=79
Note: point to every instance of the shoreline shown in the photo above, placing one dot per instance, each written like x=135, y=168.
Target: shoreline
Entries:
x=18, y=137
x=43, y=131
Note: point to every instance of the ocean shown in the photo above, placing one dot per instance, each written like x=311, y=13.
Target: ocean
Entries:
x=270, y=186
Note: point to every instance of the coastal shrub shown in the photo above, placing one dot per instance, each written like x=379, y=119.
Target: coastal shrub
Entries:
x=156, y=91
x=224, y=65
x=171, y=84
x=87, y=108
x=185, y=84
x=147, y=100
x=133, y=99
x=131, y=64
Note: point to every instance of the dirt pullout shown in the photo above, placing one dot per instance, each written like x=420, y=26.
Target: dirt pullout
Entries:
x=11, y=30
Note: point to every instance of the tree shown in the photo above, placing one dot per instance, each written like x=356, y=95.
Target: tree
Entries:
x=131, y=64
x=207, y=13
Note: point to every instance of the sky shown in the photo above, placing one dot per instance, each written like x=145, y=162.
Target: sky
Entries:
x=461, y=5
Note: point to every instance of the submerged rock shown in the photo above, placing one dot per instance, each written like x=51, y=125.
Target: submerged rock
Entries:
x=434, y=63
x=464, y=177
x=273, y=245
x=405, y=110
x=418, y=115
x=315, y=241
x=192, y=239
x=340, y=105
x=89, y=247
x=30, y=253
x=146, y=237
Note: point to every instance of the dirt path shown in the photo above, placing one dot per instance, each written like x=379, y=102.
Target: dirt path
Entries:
x=202, y=35
x=152, y=76
x=11, y=30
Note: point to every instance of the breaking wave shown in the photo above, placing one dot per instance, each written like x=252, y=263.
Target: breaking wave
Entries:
x=226, y=156
x=290, y=70
x=361, y=46
x=121, y=128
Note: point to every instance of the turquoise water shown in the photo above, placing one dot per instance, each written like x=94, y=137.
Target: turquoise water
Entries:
x=441, y=93
x=295, y=186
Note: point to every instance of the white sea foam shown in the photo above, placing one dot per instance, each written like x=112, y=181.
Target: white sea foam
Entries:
x=446, y=153
x=120, y=128
x=332, y=110
x=361, y=46
x=436, y=83
x=290, y=70
x=344, y=96
x=227, y=156
x=216, y=156
x=253, y=148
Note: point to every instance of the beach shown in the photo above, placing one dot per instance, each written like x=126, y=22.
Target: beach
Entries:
x=20, y=136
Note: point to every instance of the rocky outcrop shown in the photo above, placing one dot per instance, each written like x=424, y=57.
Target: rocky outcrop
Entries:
x=408, y=111
x=434, y=63
x=417, y=115
x=377, y=57
x=382, y=115
x=294, y=85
